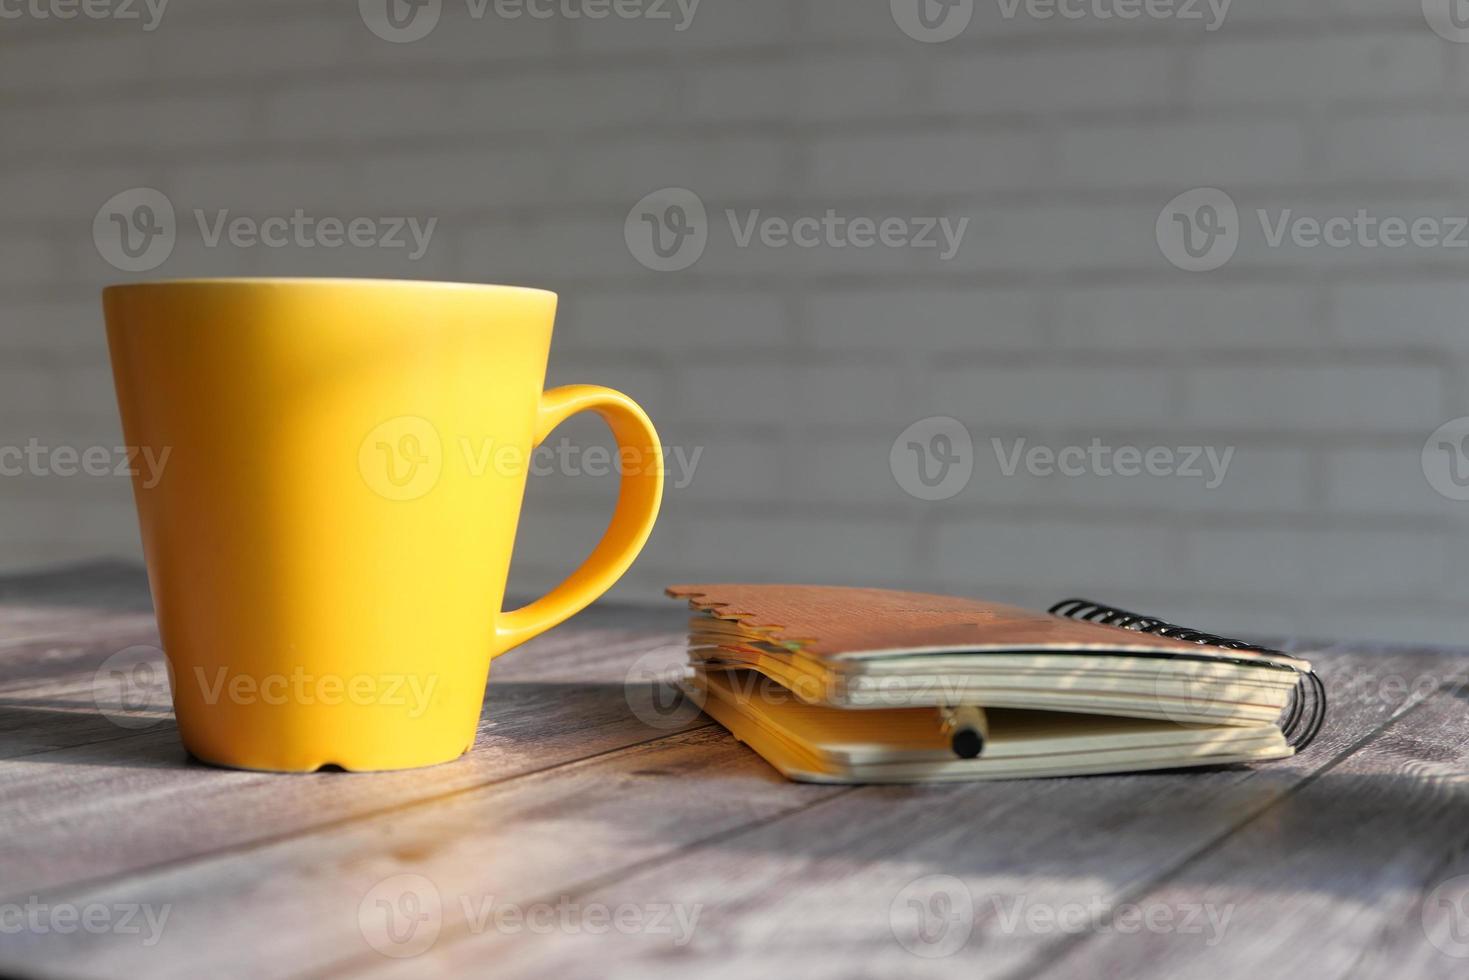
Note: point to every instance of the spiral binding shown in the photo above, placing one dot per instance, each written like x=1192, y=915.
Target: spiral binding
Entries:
x=1303, y=716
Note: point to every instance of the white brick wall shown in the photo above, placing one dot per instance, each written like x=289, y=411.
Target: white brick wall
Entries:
x=1059, y=321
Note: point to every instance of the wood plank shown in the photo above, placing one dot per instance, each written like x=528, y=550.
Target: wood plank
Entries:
x=781, y=870
x=1322, y=883
x=293, y=906
x=67, y=815
x=782, y=897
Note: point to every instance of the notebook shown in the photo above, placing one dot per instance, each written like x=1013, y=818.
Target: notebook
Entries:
x=845, y=684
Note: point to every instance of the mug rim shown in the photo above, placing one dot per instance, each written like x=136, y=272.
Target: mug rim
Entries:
x=322, y=281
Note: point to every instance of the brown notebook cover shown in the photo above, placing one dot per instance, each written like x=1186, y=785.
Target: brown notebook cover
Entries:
x=835, y=622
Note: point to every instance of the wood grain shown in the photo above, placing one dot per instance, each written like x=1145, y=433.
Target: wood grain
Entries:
x=570, y=802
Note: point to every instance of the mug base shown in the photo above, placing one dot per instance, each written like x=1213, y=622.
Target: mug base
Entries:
x=328, y=765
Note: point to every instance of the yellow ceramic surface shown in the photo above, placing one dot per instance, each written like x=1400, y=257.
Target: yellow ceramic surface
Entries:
x=329, y=541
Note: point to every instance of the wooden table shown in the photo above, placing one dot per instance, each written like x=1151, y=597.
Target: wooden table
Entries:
x=582, y=837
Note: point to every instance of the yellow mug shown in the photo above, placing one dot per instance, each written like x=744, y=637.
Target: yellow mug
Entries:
x=329, y=539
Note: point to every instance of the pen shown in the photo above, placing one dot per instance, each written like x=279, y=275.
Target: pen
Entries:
x=967, y=729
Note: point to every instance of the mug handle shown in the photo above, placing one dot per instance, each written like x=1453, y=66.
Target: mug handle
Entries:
x=632, y=521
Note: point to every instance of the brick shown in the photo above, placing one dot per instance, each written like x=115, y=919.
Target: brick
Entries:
x=1209, y=153
x=1348, y=398
x=261, y=51
x=1386, y=481
x=1341, y=67
x=1201, y=314
x=464, y=179
x=1435, y=314
x=1049, y=239
x=1103, y=395
x=922, y=322
x=1054, y=81
x=927, y=162
x=262, y=187
x=671, y=321
x=711, y=25
x=69, y=328
x=546, y=252
x=780, y=548
x=843, y=469
x=1397, y=146
x=92, y=58
x=736, y=391
x=460, y=38
x=847, y=394
x=1331, y=563
x=27, y=390
x=1097, y=555
x=624, y=170
x=27, y=261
